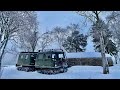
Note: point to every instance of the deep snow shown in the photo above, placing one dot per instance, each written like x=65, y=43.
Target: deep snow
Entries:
x=74, y=72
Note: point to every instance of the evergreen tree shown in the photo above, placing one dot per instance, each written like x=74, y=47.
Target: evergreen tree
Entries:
x=95, y=18
x=76, y=42
x=110, y=46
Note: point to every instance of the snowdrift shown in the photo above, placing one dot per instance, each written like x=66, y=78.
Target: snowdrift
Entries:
x=75, y=72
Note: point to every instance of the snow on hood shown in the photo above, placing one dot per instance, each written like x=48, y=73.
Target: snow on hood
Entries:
x=85, y=55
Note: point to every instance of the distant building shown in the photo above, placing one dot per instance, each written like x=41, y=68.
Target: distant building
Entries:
x=87, y=58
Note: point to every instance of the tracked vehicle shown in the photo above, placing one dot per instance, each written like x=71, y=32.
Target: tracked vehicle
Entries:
x=50, y=61
x=26, y=61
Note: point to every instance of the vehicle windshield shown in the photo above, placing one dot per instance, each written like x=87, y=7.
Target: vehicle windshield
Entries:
x=57, y=56
x=61, y=56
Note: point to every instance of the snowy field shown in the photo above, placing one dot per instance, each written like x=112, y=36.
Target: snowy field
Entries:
x=75, y=72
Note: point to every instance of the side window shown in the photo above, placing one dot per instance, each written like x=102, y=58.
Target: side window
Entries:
x=21, y=57
x=60, y=55
x=40, y=56
x=53, y=55
x=32, y=55
x=44, y=56
x=26, y=57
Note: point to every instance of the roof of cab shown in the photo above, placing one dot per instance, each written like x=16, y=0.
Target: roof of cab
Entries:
x=28, y=52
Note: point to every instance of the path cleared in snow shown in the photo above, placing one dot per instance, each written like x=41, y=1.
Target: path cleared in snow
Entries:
x=75, y=72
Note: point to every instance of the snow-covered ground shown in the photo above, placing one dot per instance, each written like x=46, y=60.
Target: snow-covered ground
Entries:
x=75, y=72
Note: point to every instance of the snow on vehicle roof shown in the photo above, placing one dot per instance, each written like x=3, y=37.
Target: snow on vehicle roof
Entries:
x=85, y=55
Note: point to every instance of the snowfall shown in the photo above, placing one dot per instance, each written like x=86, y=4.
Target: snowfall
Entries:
x=74, y=72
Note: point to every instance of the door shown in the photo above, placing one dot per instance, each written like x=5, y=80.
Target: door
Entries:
x=32, y=59
x=44, y=60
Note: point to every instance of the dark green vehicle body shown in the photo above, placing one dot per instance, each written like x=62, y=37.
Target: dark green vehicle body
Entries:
x=26, y=59
x=49, y=59
x=41, y=59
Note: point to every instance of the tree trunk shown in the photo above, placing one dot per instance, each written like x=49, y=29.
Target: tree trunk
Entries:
x=102, y=46
x=33, y=49
x=104, y=60
x=116, y=58
x=60, y=46
x=76, y=49
x=1, y=56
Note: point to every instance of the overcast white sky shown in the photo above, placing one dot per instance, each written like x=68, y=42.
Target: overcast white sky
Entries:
x=50, y=19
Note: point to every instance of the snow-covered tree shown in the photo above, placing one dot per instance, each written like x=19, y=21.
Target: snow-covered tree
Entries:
x=71, y=28
x=45, y=40
x=11, y=24
x=107, y=36
x=110, y=46
x=94, y=17
x=60, y=35
x=114, y=25
x=76, y=42
x=27, y=38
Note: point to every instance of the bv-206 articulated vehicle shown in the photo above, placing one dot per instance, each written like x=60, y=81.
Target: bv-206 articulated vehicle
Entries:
x=46, y=62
